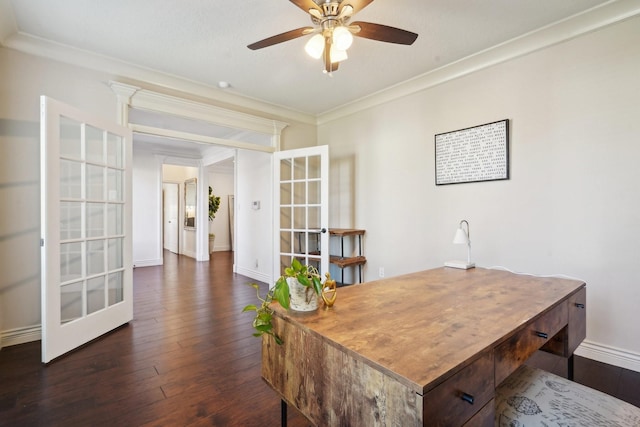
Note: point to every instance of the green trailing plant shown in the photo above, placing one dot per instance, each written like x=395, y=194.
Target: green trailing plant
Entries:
x=214, y=204
x=263, y=320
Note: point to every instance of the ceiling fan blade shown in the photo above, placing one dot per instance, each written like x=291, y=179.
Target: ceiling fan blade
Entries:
x=383, y=33
x=306, y=5
x=357, y=5
x=289, y=35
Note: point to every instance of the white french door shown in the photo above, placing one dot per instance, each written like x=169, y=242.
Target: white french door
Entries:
x=87, y=270
x=301, y=202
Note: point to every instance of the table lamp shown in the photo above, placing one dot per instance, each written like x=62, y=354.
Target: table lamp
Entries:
x=462, y=238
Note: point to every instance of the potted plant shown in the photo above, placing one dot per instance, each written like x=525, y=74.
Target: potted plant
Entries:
x=214, y=205
x=297, y=289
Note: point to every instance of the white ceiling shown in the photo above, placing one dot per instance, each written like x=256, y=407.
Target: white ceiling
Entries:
x=205, y=41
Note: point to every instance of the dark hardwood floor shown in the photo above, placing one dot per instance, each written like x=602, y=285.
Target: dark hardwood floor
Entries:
x=187, y=358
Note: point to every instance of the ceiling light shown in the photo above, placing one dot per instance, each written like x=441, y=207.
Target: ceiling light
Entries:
x=342, y=38
x=224, y=85
x=337, y=55
x=315, y=46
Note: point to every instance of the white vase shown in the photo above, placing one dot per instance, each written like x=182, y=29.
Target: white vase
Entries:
x=303, y=298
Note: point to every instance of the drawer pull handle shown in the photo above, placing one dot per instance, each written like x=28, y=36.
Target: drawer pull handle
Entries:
x=467, y=398
x=542, y=335
x=579, y=305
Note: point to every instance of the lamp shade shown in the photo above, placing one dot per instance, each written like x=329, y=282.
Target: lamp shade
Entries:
x=315, y=46
x=461, y=237
x=337, y=55
x=342, y=38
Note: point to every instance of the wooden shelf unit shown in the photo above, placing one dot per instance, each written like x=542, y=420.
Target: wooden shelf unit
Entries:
x=343, y=262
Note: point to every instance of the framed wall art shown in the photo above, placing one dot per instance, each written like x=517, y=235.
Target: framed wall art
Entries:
x=478, y=153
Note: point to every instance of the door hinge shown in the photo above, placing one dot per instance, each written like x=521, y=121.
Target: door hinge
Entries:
x=42, y=243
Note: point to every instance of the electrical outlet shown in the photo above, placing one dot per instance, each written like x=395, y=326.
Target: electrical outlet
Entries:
x=381, y=272
x=256, y=262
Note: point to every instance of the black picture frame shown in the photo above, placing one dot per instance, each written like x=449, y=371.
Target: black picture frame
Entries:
x=474, y=154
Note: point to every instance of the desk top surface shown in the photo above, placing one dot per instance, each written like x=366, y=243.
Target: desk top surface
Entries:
x=420, y=326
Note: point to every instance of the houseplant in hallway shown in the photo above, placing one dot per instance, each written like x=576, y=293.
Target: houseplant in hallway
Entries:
x=297, y=289
x=214, y=205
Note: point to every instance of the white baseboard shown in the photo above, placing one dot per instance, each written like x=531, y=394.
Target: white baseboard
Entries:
x=609, y=355
x=255, y=275
x=20, y=336
x=147, y=262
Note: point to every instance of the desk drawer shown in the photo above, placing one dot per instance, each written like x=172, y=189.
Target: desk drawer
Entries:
x=461, y=396
x=516, y=350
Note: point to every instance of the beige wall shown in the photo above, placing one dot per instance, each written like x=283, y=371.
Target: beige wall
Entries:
x=572, y=203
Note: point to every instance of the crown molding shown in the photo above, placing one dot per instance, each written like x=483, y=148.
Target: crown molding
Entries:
x=591, y=20
x=121, y=70
x=588, y=21
x=154, y=101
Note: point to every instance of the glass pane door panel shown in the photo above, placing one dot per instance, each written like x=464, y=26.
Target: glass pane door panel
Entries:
x=95, y=182
x=115, y=254
x=70, y=179
x=314, y=195
x=285, y=170
x=95, y=257
x=313, y=221
x=114, y=185
x=95, y=219
x=70, y=138
x=70, y=220
x=313, y=168
x=300, y=168
x=114, y=150
x=95, y=294
x=94, y=145
x=285, y=194
x=70, y=302
x=299, y=218
x=286, y=241
x=286, y=219
x=114, y=219
x=70, y=261
x=300, y=193
x=115, y=287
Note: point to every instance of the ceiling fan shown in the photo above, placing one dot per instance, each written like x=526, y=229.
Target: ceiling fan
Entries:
x=334, y=33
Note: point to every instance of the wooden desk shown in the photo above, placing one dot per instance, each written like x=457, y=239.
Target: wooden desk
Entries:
x=426, y=348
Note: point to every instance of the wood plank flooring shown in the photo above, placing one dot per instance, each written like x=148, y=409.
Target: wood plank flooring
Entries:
x=187, y=359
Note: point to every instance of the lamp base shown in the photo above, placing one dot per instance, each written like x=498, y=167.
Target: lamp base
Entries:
x=463, y=265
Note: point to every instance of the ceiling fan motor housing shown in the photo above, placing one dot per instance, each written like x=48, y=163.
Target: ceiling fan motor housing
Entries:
x=330, y=8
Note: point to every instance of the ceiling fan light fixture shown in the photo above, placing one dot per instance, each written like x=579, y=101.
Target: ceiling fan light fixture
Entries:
x=315, y=46
x=337, y=55
x=342, y=37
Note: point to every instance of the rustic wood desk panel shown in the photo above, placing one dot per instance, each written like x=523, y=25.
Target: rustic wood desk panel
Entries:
x=375, y=357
